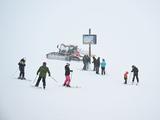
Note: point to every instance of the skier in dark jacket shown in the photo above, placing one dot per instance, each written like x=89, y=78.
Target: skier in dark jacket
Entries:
x=97, y=65
x=88, y=61
x=85, y=62
x=135, y=73
x=67, y=75
x=94, y=63
x=42, y=71
x=22, y=69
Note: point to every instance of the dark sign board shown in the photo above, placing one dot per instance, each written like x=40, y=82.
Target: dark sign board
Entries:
x=89, y=39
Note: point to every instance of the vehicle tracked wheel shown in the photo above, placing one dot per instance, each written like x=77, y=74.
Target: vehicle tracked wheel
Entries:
x=68, y=58
x=75, y=58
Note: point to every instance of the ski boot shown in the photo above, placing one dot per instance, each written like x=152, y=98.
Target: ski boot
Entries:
x=68, y=86
x=23, y=78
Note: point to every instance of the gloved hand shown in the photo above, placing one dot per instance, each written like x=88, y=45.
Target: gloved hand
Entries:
x=71, y=70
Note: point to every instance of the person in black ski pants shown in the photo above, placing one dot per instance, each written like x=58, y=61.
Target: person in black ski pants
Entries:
x=135, y=73
x=88, y=61
x=42, y=71
x=85, y=62
x=97, y=65
x=94, y=63
x=21, y=69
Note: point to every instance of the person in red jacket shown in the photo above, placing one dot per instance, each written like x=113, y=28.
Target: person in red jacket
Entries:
x=125, y=77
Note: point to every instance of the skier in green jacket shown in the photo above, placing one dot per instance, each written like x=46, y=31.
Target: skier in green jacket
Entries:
x=42, y=71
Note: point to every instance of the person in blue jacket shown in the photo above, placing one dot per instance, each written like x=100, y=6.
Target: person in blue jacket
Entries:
x=103, y=65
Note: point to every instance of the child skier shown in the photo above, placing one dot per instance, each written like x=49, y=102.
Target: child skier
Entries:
x=125, y=77
x=67, y=75
x=103, y=65
x=22, y=69
x=42, y=71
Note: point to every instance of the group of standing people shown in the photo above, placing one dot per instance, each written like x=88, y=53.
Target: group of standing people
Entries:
x=42, y=73
x=43, y=70
x=97, y=64
x=135, y=75
x=86, y=62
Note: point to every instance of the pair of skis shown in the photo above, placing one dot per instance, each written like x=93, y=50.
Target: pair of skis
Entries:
x=56, y=82
x=131, y=84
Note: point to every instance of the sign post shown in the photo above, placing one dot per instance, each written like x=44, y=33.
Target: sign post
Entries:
x=90, y=44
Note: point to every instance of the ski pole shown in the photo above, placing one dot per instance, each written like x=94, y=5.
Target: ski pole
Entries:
x=130, y=76
x=34, y=79
x=15, y=72
x=53, y=79
x=71, y=75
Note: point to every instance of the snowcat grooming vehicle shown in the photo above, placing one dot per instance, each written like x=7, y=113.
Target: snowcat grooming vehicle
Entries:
x=66, y=52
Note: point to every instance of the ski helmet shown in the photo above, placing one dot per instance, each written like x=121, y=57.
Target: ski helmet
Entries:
x=44, y=63
x=68, y=64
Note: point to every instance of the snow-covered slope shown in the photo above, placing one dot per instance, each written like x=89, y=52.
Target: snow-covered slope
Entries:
x=99, y=97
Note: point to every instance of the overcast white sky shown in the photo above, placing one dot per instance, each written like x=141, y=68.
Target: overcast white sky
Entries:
x=127, y=30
